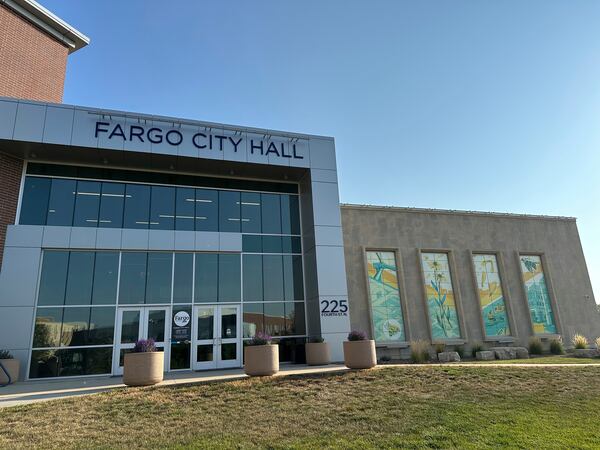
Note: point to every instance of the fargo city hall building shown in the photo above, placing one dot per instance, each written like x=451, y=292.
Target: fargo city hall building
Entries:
x=116, y=226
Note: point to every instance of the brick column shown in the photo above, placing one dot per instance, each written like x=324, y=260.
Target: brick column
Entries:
x=11, y=170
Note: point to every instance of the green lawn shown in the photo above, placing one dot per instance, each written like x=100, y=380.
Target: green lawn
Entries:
x=410, y=407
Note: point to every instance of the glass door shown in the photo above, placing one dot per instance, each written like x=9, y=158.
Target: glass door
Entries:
x=140, y=323
x=217, y=342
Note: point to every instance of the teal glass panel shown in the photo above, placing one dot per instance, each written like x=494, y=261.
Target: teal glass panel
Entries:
x=158, y=280
x=53, y=280
x=106, y=275
x=80, y=278
x=206, y=278
x=132, y=289
x=34, y=202
x=230, y=278
x=183, y=278
x=253, y=278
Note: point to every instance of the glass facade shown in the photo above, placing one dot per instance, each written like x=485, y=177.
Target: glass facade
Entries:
x=439, y=294
x=540, y=306
x=386, y=310
x=491, y=295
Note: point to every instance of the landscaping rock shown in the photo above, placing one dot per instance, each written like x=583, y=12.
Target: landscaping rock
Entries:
x=585, y=353
x=485, y=355
x=446, y=357
x=522, y=353
x=505, y=352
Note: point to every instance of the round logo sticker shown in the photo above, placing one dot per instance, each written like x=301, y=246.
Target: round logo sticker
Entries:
x=181, y=319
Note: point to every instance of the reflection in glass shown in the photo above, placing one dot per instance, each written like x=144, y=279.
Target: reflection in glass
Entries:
x=36, y=192
x=137, y=206
x=273, y=277
x=252, y=243
x=251, y=222
x=112, y=202
x=229, y=211
x=204, y=353
x=80, y=278
x=130, y=327
x=75, y=327
x=253, y=319
x=162, y=208
x=183, y=278
x=158, y=288
x=156, y=325
x=87, y=204
x=290, y=214
x=271, y=213
x=185, y=205
x=132, y=287
x=253, y=278
x=61, y=203
x=228, y=323
x=207, y=210
x=54, y=278
x=228, y=351
x=102, y=326
x=70, y=362
x=272, y=244
x=205, y=290
x=275, y=319
x=106, y=274
x=48, y=323
x=294, y=319
x=205, y=323
x=180, y=355
x=229, y=278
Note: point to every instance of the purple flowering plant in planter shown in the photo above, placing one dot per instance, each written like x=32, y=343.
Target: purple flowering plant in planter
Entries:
x=357, y=335
x=260, y=338
x=144, y=346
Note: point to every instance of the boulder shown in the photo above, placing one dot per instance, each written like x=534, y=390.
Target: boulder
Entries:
x=505, y=352
x=522, y=353
x=485, y=355
x=446, y=357
x=585, y=353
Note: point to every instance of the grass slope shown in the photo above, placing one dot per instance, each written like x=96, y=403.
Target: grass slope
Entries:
x=409, y=407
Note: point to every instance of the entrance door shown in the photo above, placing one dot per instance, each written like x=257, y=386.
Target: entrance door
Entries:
x=217, y=339
x=140, y=323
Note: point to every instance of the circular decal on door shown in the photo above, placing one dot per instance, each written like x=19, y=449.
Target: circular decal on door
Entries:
x=181, y=319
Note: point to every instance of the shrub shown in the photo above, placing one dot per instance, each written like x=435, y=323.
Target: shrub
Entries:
x=535, y=346
x=144, y=346
x=476, y=347
x=316, y=340
x=579, y=341
x=439, y=347
x=5, y=354
x=461, y=351
x=357, y=335
x=419, y=351
x=556, y=346
x=260, y=338
x=597, y=342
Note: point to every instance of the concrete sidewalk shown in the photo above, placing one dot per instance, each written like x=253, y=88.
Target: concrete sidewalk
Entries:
x=27, y=392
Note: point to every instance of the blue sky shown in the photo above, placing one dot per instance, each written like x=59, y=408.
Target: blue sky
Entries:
x=478, y=105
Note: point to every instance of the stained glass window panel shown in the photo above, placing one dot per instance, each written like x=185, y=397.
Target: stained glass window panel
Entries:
x=540, y=307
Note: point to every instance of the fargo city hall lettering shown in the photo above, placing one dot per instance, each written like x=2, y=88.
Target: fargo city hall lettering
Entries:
x=202, y=141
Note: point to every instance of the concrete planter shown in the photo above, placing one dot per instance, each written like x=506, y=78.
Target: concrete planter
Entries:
x=261, y=360
x=12, y=367
x=143, y=369
x=317, y=354
x=360, y=354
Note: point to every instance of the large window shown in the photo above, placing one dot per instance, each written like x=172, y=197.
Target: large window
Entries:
x=81, y=203
x=491, y=296
x=540, y=307
x=440, y=297
x=386, y=310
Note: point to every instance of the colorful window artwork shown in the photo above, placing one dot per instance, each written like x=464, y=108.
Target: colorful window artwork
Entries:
x=542, y=316
x=441, y=302
x=388, y=323
x=491, y=297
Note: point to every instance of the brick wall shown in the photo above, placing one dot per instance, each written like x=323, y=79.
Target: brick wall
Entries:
x=32, y=64
x=10, y=182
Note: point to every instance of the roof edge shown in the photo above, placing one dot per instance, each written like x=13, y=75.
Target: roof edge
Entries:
x=35, y=13
x=455, y=212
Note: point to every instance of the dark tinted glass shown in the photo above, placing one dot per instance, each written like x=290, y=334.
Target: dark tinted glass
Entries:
x=53, y=280
x=180, y=355
x=102, y=326
x=162, y=208
x=290, y=214
x=229, y=278
x=62, y=202
x=271, y=213
x=252, y=243
x=205, y=290
x=132, y=287
x=291, y=244
x=272, y=244
x=183, y=278
x=253, y=278
x=229, y=211
x=158, y=287
x=207, y=210
x=75, y=326
x=47, y=327
x=79, y=279
x=156, y=325
x=34, y=204
x=137, y=206
x=185, y=205
x=251, y=212
x=298, y=277
x=205, y=325
x=288, y=278
x=70, y=362
x=273, y=277
x=87, y=204
x=275, y=319
x=253, y=319
x=112, y=203
x=130, y=326
x=228, y=351
x=106, y=274
x=228, y=323
x=294, y=318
